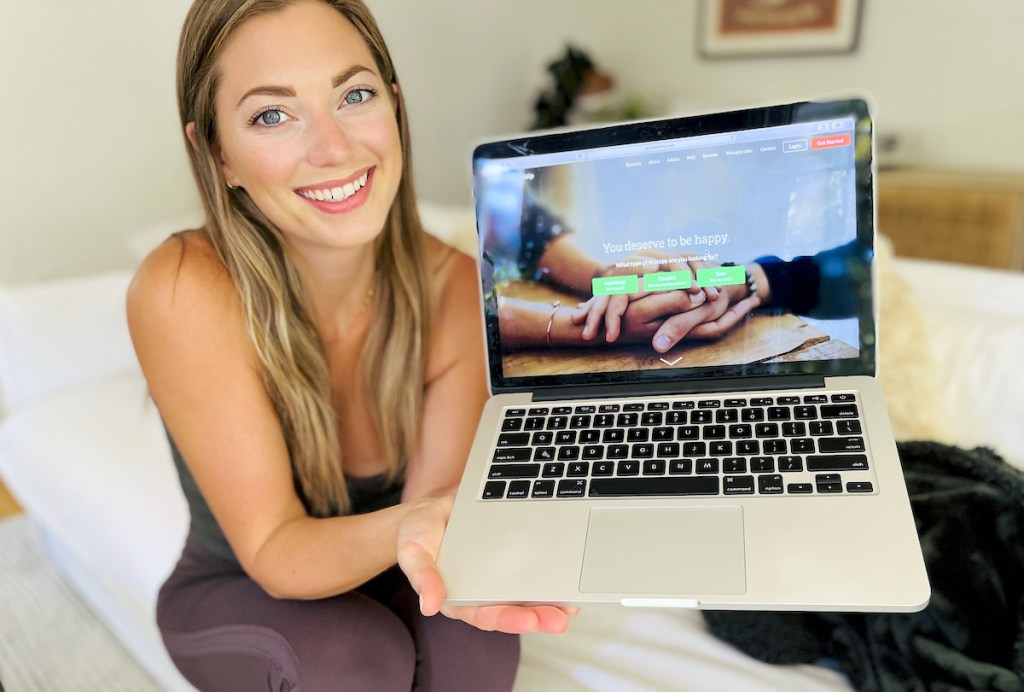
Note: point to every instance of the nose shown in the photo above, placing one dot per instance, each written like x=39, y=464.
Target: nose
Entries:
x=328, y=141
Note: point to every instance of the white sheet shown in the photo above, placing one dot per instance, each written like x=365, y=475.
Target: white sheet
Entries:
x=90, y=464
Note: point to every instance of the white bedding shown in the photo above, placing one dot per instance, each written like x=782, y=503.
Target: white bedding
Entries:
x=83, y=450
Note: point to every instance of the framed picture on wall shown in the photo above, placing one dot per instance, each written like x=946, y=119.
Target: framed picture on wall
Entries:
x=748, y=28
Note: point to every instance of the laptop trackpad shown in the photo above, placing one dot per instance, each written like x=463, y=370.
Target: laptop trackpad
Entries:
x=664, y=550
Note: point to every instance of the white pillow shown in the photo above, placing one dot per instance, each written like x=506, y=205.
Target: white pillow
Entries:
x=61, y=334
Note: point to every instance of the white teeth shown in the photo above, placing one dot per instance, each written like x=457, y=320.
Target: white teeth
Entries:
x=336, y=194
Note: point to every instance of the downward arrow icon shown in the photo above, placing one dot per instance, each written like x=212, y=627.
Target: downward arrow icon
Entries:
x=673, y=362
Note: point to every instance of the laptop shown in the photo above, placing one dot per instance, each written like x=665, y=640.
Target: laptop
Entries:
x=751, y=464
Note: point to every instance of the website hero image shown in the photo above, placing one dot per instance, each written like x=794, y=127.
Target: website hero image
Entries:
x=711, y=251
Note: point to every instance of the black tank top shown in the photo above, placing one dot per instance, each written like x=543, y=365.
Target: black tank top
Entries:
x=365, y=495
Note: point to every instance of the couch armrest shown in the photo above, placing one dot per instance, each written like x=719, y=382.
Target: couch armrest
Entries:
x=60, y=334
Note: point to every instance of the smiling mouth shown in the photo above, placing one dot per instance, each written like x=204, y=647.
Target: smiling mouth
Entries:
x=336, y=194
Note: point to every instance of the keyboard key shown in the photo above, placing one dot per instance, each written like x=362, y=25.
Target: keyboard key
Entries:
x=800, y=488
x=859, y=487
x=593, y=452
x=512, y=454
x=642, y=451
x=565, y=437
x=603, y=468
x=801, y=445
x=578, y=469
x=494, y=490
x=514, y=471
x=791, y=464
x=828, y=483
x=762, y=464
x=666, y=486
x=512, y=424
x=770, y=484
x=553, y=470
x=638, y=435
x=839, y=411
x=569, y=453
x=515, y=412
x=572, y=487
x=543, y=489
x=701, y=416
x=513, y=439
x=837, y=462
x=628, y=468
x=679, y=467
x=848, y=427
x=706, y=466
x=748, y=447
x=613, y=435
x=654, y=467
x=738, y=485
x=842, y=444
x=518, y=490
x=734, y=465
x=543, y=454
x=843, y=398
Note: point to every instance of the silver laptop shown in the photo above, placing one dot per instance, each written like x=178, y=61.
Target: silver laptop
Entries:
x=749, y=466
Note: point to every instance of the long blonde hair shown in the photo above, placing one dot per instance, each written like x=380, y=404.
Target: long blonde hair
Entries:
x=287, y=342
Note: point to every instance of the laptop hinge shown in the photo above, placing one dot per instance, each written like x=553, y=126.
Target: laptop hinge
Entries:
x=680, y=388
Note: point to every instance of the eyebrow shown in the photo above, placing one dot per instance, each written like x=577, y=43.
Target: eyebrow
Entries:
x=285, y=91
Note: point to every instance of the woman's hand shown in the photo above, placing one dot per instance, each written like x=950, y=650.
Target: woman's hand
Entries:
x=419, y=539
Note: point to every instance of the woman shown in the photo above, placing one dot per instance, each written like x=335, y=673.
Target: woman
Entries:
x=316, y=360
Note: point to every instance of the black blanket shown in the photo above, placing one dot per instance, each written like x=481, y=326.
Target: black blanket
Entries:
x=969, y=510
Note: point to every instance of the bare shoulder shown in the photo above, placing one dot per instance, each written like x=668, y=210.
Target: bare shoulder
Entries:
x=452, y=272
x=181, y=274
x=182, y=292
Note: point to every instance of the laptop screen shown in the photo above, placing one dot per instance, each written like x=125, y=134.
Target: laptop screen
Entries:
x=731, y=245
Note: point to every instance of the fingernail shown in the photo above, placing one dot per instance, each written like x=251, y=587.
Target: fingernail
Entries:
x=662, y=343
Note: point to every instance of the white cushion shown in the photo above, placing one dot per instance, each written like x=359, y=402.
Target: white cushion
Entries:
x=92, y=466
x=60, y=334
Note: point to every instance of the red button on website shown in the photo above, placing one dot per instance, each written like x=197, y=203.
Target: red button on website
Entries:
x=833, y=141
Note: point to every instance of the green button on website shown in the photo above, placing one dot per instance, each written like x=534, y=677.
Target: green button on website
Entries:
x=611, y=285
x=721, y=276
x=667, y=281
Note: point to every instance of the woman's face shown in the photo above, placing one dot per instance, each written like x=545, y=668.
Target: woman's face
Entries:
x=307, y=126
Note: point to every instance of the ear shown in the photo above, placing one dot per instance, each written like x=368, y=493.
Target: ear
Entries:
x=394, y=101
x=190, y=132
x=229, y=176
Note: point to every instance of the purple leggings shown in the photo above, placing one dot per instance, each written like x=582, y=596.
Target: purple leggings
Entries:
x=225, y=633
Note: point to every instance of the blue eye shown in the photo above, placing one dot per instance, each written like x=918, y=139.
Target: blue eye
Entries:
x=268, y=117
x=359, y=96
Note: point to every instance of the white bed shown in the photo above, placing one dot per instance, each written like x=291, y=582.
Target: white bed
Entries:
x=82, y=449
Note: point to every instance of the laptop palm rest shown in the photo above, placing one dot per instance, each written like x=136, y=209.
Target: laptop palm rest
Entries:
x=664, y=550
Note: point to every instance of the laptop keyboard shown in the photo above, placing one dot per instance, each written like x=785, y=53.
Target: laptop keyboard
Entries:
x=810, y=444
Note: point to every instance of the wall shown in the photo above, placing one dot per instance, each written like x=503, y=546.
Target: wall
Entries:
x=93, y=153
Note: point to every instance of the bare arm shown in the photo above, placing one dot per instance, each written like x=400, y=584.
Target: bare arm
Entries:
x=187, y=326
x=456, y=382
